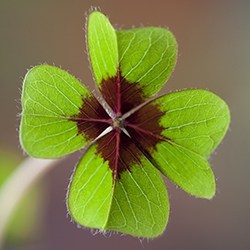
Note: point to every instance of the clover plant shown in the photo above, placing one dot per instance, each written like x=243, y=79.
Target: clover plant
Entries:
x=131, y=138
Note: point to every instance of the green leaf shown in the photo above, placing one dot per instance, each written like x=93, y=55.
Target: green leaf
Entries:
x=135, y=204
x=195, y=122
x=140, y=204
x=147, y=56
x=195, y=119
x=188, y=170
x=50, y=97
x=102, y=47
x=91, y=191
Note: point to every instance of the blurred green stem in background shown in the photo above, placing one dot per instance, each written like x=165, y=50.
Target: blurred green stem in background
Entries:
x=17, y=185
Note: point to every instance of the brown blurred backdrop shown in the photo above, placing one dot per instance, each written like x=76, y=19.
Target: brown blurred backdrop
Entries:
x=214, y=53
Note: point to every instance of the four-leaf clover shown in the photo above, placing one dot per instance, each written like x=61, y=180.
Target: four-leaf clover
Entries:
x=131, y=137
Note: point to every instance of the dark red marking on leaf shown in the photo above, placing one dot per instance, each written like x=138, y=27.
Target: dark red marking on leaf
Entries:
x=121, y=95
x=120, y=156
x=92, y=119
x=144, y=126
x=120, y=150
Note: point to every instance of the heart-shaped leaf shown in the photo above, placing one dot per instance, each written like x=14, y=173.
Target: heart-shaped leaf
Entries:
x=50, y=97
x=135, y=204
x=193, y=123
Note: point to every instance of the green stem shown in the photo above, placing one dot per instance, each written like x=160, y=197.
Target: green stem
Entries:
x=15, y=188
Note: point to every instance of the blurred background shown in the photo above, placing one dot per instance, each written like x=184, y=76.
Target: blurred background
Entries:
x=214, y=53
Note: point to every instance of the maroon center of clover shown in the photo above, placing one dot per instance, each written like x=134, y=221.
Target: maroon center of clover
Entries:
x=130, y=138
